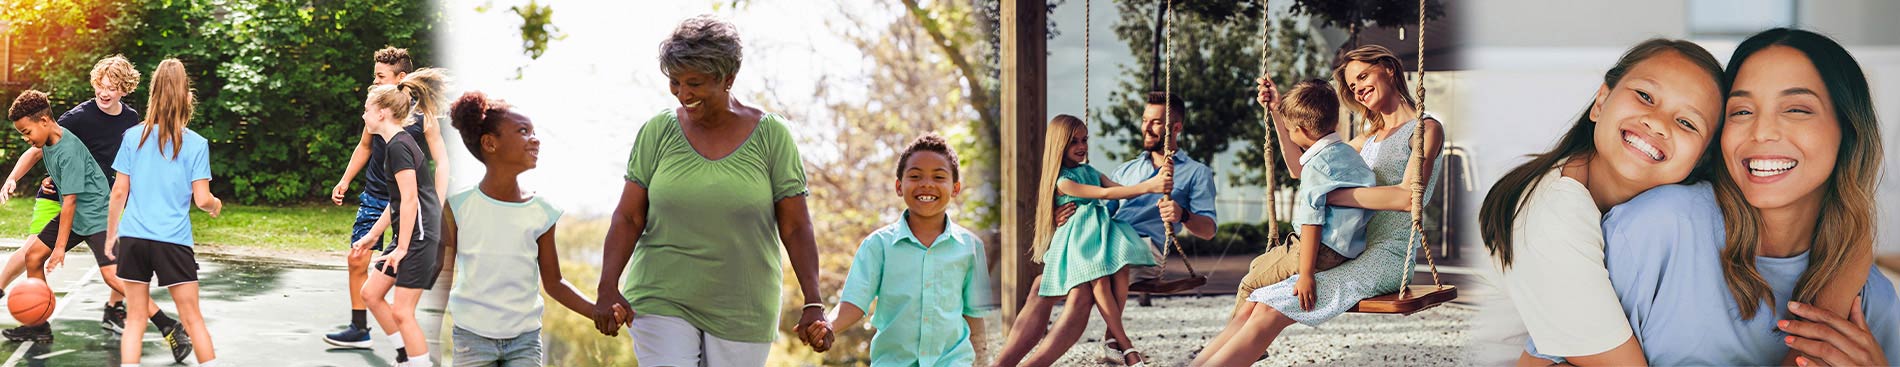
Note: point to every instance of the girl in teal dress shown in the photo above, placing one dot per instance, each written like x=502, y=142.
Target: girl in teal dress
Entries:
x=1087, y=256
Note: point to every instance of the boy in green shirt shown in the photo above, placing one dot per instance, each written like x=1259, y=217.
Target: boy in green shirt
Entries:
x=926, y=274
x=82, y=215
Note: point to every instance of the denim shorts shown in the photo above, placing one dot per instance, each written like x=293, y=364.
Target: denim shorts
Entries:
x=472, y=350
x=368, y=210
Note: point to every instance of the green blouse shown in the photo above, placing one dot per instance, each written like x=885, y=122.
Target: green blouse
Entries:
x=710, y=254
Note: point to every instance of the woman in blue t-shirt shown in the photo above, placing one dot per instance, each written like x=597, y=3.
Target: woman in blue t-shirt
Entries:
x=1789, y=214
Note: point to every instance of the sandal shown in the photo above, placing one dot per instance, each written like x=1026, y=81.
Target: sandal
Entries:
x=1144, y=358
x=1112, y=348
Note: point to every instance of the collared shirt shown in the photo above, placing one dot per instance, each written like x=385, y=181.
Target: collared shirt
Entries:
x=1326, y=166
x=1193, y=189
x=922, y=294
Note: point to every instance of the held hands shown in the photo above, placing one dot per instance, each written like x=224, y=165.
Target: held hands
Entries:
x=818, y=335
x=1836, y=341
x=813, y=329
x=1304, y=289
x=611, y=311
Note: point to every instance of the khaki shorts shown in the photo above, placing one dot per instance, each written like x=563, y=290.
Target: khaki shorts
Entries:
x=1278, y=264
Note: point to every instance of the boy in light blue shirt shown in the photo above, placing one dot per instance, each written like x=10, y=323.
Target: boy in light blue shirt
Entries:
x=926, y=274
x=1328, y=235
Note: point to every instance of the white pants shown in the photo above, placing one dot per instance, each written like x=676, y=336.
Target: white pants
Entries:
x=671, y=341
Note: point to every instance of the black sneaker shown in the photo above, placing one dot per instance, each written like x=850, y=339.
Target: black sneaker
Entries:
x=176, y=339
x=114, y=319
x=38, y=333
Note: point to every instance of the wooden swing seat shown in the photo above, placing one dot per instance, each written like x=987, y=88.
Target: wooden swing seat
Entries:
x=1168, y=286
x=1412, y=299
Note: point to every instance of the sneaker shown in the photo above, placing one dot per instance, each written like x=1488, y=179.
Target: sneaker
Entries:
x=350, y=337
x=176, y=339
x=38, y=333
x=114, y=319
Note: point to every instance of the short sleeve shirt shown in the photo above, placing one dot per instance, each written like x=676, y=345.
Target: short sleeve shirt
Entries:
x=711, y=251
x=1331, y=165
x=922, y=294
x=75, y=173
x=159, y=204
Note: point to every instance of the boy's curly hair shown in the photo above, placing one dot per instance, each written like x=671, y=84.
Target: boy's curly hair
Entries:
x=31, y=103
x=930, y=142
x=398, y=57
x=125, y=78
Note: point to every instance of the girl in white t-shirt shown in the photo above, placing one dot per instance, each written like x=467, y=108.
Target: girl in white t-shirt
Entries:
x=503, y=241
x=1649, y=124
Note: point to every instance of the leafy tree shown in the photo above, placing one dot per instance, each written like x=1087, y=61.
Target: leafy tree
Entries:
x=280, y=84
x=1217, y=50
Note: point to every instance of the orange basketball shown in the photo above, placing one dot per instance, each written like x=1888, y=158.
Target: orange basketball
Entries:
x=31, y=302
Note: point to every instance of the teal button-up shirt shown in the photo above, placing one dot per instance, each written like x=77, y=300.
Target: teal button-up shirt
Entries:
x=922, y=294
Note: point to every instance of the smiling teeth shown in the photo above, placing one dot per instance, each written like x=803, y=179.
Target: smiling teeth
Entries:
x=694, y=104
x=927, y=198
x=1643, y=145
x=1769, y=167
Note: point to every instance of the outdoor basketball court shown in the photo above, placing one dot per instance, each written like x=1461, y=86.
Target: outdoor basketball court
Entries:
x=261, y=312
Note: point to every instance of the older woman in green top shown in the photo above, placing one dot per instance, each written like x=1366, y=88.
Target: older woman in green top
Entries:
x=714, y=188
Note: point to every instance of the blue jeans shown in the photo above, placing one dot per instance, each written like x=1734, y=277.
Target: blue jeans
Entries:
x=473, y=350
x=368, y=210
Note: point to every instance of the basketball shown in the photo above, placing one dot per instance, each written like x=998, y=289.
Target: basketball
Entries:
x=31, y=302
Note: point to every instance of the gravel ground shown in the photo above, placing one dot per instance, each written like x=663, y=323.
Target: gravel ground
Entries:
x=1176, y=327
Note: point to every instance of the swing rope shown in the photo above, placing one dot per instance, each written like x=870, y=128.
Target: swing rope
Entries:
x=1417, y=146
x=1167, y=132
x=1418, y=189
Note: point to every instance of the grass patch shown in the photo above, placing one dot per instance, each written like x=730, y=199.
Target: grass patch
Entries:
x=297, y=227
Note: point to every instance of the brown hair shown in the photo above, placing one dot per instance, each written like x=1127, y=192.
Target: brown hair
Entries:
x=116, y=66
x=422, y=89
x=170, y=106
x=1312, y=106
x=476, y=115
x=1377, y=56
x=930, y=142
x=1845, y=228
x=397, y=57
x=1054, y=144
x=1174, y=103
x=1501, y=205
x=31, y=103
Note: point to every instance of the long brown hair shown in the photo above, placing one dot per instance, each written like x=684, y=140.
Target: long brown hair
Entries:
x=1053, y=148
x=169, y=107
x=1378, y=56
x=422, y=89
x=1502, y=204
x=1845, y=228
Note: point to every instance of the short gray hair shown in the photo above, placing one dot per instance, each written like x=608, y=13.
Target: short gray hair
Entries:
x=704, y=44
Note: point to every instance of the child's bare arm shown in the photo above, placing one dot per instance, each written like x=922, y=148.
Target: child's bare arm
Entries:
x=440, y=153
x=846, y=315
x=201, y=196
x=1112, y=191
x=1396, y=197
x=551, y=279
x=448, y=238
x=115, y=205
x=979, y=339
x=409, y=209
x=27, y=159
x=358, y=158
